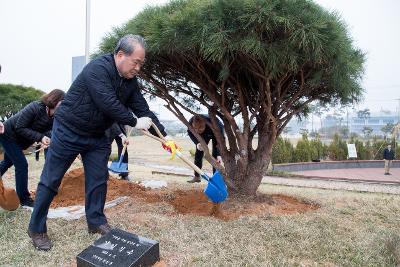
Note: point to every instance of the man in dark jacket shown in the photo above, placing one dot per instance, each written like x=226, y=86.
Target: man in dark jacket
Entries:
x=99, y=96
x=388, y=156
x=200, y=126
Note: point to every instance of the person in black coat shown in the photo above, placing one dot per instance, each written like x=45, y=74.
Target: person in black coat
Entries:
x=388, y=156
x=100, y=96
x=200, y=126
x=22, y=130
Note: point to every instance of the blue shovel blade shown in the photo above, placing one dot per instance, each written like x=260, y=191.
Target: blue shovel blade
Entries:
x=216, y=189
x=118, y=167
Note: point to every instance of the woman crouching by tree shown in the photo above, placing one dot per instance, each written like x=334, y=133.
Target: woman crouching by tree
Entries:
x=23, y=129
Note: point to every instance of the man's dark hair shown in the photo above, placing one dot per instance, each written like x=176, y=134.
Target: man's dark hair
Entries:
x=198, y=123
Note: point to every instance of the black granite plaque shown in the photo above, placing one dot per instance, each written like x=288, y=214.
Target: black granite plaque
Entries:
x=120, y=248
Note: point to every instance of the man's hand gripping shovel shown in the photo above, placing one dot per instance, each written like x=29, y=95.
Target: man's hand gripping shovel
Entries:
x=216, y=189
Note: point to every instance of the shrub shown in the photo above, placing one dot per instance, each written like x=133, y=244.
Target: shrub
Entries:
x=302, y=153
x=337, y=150
x=282, y=152
x=15, y=97
x=378, y=147
x=318, y=149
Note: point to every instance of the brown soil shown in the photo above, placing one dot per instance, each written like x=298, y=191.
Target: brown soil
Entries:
x=190, y=201
x=72, y=190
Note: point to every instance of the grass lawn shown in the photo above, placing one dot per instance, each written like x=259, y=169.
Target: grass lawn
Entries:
x=349, y=229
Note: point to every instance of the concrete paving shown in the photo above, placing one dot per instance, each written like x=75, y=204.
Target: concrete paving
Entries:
x=360, y=179
x=357, y=174
x=350, y=185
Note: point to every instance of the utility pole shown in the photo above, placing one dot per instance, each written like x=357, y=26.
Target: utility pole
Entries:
x=398, y=111
x=312, y=122
x=87, y=36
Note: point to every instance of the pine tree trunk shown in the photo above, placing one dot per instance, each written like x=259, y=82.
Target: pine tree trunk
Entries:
x=245, y=175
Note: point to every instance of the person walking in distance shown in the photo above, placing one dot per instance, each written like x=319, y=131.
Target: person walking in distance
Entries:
x=388, y=156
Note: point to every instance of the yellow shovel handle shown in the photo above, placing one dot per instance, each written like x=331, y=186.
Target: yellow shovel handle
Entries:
x=162, y=140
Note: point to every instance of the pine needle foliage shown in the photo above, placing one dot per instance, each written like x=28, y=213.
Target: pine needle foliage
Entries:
x=257, y=61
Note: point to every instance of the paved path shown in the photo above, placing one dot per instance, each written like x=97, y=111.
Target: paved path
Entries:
x=337, y=184
x=357, y=179
x=358, y=174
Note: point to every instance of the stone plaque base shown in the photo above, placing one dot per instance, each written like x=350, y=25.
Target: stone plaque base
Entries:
x=120, y=248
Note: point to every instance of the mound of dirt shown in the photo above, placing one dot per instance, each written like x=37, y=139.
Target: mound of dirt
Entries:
x=191, y=201
x=72, y=190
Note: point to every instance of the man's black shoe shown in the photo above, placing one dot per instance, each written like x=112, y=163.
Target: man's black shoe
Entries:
x=29, y=202
x=124, y=177
x=41, y=241
x=101, y=229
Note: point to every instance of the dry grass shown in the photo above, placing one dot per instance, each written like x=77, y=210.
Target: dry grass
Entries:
x=350, y=229
x=393, y=247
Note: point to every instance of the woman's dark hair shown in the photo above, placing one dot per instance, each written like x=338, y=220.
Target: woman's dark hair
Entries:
x=198, y=123
x=52, y=98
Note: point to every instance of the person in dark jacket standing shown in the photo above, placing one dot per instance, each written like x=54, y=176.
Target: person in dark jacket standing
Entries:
x=100, y=95
x=117, y=132
x=22, y=130
x=200, y=126
x=388, y=156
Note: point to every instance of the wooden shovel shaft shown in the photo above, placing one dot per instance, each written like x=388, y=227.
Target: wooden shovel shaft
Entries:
x=125, y=145
x=162, y=140
x=37, y=150
x=42, y=148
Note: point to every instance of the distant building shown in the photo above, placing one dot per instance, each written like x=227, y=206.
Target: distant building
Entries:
x=77, y=65
x=356, y=125
x=295, y=126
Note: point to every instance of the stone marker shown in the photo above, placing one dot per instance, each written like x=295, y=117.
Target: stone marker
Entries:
x=120, y=248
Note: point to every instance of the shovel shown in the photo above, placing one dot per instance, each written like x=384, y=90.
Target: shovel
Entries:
x=8, y=197
x=216, y=189
x=119, y=166
x=33, y=152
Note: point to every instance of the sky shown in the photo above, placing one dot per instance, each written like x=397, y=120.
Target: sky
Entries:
x=39, y=38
